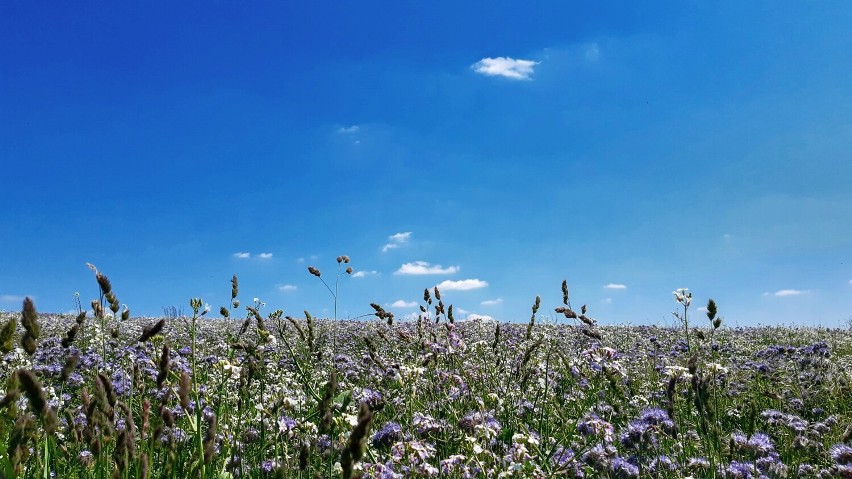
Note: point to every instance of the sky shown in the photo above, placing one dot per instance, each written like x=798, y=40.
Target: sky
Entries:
x=490, y=148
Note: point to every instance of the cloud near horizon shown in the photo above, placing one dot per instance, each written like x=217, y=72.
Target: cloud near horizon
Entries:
x=461, y=285
x=12, y=298
x=423, y=267
x=400, y=303
x=505, y=67
x=491, y=302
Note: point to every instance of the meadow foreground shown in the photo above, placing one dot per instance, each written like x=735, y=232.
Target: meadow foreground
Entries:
x=268, y=395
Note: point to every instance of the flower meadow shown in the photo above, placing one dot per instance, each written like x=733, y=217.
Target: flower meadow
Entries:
x=260, y=394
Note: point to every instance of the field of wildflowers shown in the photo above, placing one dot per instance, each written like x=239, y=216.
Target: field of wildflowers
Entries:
x=107, y=395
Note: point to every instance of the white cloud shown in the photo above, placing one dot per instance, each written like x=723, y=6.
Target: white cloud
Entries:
x=397, y=240
x=422, y=267
x=364, y=274
x=462, y=311
x=11, y=298
x=287, y=287
x=349, y=129
x=461, y=285
x=615, y=286
x=491, y=302
x=788, y=292
x=242, y=255
x=264, y=255
x=403, y=304
x=481, y=317
x=593, y=52
x=505, y=67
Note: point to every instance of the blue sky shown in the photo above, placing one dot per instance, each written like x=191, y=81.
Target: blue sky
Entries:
x=501, y=148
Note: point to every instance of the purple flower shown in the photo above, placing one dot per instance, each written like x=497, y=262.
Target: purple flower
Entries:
x=561, y=457
x=599, y=457
x=387, y=435
x=638, y=434
x=267, y=466
x=371, y=398
x=657, y=417
x=85, y=458
x=622, y=468
x=740, y=470
x=478, y=418
x=842, y=454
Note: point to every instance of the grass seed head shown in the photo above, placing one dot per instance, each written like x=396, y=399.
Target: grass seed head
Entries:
x=7, y=336
x=29, y=320
x=209, y=442
x=70, y=366
x=711, y=309
x=163, y=372
x=103, y=282
x=357, y=438
x=33, y=390
x=151, y=331
x=68, y=340
x=22, y=432
x=183, y=390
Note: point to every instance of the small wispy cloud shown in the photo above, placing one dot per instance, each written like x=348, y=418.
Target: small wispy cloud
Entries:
x=593, y=52
x=364, y=274
x=11, y=298
x=506, y=67
x=615, y=286
x=491, y=302
x=288, y=287
x=423, y=267
x=264, y=255
x=349, y=129
x=242, y=255
x=480, y=317
x=396, y=240
x=785, y=292
x=461, y=285
x=403, y=304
